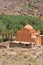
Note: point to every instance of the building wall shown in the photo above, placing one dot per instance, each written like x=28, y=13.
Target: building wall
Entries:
x=26, y=36
x=23, y=35
x=38, y=40
x=41, y=39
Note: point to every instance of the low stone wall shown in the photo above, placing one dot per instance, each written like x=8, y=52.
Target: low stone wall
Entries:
x=9, y=44
x=20, y=45
x=5, y=44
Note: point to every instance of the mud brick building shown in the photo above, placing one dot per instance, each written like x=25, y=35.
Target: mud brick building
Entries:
x=29, y=34
x=41, y=39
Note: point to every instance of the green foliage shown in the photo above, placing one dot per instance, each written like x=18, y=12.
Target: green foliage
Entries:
x=13, y=23
x=29, y=4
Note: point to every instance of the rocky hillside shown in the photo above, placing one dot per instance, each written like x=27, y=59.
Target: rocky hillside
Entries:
x=22, y=7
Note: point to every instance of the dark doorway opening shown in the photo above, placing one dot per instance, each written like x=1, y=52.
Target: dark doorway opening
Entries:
x=26, y=44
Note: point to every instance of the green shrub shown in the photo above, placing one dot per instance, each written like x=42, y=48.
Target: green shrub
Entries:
x=13, y=23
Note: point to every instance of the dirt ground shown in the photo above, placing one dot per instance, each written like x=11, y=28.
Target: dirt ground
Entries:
x=21, y=56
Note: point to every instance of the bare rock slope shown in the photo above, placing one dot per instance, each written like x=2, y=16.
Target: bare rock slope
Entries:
x=22, y=7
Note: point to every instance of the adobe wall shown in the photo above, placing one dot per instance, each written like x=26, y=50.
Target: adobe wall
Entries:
x=23, y=35
x=27, y=35
x=41, y=39
x=38, y=40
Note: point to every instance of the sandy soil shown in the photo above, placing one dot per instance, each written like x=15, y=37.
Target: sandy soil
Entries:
x=21, y=56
